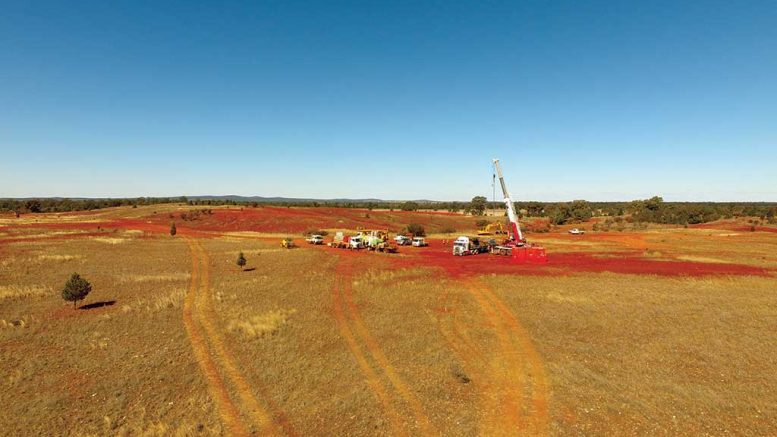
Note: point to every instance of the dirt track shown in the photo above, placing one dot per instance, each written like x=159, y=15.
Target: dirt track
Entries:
x=356, y=334
x=509, y=375
x=217, y=363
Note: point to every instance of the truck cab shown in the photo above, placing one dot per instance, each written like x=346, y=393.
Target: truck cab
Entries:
x=356, y=242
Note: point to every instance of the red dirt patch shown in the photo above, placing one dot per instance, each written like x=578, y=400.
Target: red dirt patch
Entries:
x=296, y=220
x=734, y=225
x=439, y=255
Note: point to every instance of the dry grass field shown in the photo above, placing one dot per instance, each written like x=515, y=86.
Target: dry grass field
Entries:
x=661, y=331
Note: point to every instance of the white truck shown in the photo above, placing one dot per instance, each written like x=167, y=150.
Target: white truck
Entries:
x=315, y=239
x=356, y=242
x=466, y=246
x=575, y=231
x=419, y=242
x=402, y=240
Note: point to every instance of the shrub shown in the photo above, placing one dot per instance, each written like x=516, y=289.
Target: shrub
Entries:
x=76, y=288
x=320, y=232
x=241, y=260
x=173, y=231
x=416, y=230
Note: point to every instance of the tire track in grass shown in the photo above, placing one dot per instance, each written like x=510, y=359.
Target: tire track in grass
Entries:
x=201, y=308
x=538, y=418
x=229, y=413
x=474, y=359
x=506, y=367
x=384, y=366
x=496, y=374
x=503, y=372
x=260, y=416
x=343, y=276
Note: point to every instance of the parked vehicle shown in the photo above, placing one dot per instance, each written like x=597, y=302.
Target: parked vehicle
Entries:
x=467, y=246
x=403, y=240
x=356, y=242
x=288, y=243
x=575, y=231
x=315, y=239
x=339, y=241
x=419, y=242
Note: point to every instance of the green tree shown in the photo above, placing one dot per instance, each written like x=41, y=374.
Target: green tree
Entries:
x=560, y=214
x=535, y=209
x=76, y=288
x=33, y=205
x=173, y=231
x=241, y=260
x=478, y=205
x=409, y=206
x=416, y=230
x=580, y=210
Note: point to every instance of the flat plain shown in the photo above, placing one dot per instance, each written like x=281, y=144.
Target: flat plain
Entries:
x=655, y=331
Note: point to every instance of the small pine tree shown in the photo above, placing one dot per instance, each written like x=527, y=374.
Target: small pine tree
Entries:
x=241, y=260
x=172, y=229
x=76, y=288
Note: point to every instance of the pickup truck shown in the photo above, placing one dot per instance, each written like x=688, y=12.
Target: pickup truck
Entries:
x=402, y=240
x=419, y=242
x=576, y=231
x=315, y=239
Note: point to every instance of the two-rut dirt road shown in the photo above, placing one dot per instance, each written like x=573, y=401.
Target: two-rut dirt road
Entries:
x=510, y=378
x=241, y=411
x=508, y=373
x=388, y=386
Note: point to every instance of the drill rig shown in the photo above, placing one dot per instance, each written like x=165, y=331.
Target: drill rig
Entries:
x=515, y=245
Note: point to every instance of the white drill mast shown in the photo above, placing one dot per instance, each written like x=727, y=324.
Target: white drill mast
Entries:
x=511, y=214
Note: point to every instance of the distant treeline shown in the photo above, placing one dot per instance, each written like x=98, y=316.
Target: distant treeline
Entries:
x=653, y=210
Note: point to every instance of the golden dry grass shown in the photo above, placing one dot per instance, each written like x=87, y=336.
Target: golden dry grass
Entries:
x=327, y=342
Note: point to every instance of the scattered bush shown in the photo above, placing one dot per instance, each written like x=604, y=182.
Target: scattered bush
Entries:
x=76, y=288
x=416, y=230
x=241, y=260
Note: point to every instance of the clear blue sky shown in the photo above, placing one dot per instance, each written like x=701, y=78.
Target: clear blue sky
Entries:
x=398, y=100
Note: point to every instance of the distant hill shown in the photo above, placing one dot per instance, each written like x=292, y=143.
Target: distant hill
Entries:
x=239, y=199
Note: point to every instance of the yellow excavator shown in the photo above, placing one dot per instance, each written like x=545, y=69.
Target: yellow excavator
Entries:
x=495, y=228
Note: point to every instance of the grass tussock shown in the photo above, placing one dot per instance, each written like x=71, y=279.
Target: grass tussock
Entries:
x=262, y=325
x=17, y=291
x=110, y=240
x=60, y=258
x=162, y=277
x=21, y=322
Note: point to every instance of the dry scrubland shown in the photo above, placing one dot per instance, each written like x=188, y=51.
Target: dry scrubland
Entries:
x=175, y=339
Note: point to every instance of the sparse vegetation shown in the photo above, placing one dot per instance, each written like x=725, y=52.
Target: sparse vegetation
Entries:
x=173, y=230
x=76, y=288
x=415, y=230
x=241, y=261
x=270, y=321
